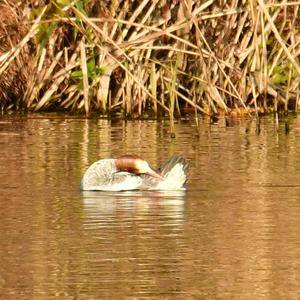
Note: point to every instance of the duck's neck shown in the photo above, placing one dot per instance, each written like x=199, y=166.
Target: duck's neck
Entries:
x=127, y=163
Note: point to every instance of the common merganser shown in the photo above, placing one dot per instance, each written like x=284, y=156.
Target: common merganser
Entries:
x=130, y=172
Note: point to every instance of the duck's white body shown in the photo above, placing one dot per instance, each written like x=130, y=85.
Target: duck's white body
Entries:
x=134, y=174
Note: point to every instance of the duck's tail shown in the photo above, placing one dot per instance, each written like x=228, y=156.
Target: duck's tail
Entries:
x=175, y=173
x=172, y=162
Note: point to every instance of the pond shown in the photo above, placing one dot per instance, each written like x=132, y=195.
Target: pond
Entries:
x=233, y=234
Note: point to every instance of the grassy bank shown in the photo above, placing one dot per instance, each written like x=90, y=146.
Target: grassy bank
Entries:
x=150, y=57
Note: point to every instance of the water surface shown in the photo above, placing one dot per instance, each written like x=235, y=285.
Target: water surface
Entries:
x=234, y=234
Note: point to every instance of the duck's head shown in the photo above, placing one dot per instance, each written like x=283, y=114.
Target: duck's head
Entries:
x=136, y=165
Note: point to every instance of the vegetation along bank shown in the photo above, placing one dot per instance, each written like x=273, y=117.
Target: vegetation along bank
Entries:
x=157, y=58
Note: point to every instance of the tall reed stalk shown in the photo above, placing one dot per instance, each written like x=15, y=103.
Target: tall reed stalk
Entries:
x=160, y=58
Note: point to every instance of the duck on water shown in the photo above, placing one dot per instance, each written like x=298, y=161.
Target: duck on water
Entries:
x=130, y=172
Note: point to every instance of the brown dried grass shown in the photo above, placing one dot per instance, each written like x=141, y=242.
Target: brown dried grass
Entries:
x=163, y=57
x=14, y=76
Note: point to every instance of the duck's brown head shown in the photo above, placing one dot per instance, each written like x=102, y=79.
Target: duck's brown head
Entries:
x=136, y=165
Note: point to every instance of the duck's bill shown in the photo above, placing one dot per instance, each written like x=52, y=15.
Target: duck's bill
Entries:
x=155, y=174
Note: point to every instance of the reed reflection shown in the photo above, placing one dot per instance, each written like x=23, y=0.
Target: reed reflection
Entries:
x=232, y=234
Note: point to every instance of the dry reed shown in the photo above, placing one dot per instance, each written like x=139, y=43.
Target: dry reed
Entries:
x=157, y=57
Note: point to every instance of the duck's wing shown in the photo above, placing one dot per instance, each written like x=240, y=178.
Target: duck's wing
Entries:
x=103, y=176
x=119, y=181
x=148, y=182
x=125, y=181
